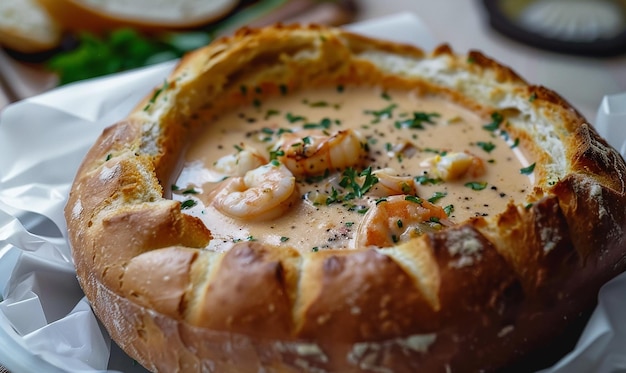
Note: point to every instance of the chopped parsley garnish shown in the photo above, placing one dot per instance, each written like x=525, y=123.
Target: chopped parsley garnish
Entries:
x=528, y=170
x=319, y=104
x=424, y=180
x=486, y=146
x=270, y=113
x=293, y=118
x=156, y=94
x=414, y=199
x=349, y=181
x=188, y=204
x=382, y=113
x=476, y=185
x=109, y=156
x=417, y=121
x=325, y=123
x=449, y=209
x=274, y=154
x=515, y=143
x=533, y=97
x=437, y=196
x=399, y=223
x=284, y=239
x=496, y=120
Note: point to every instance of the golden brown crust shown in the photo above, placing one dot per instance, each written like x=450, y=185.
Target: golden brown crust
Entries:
x=476, y=296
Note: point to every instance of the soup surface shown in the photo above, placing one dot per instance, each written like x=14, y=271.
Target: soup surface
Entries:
x=345, y=167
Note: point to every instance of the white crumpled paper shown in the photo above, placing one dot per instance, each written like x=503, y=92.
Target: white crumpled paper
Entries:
x=45, y=321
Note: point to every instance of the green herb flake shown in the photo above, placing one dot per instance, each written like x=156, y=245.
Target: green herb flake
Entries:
x=476, y=185
x=418, y=120
x=496, y=120
x=486, y=146
x=270, y=113
x=294, y=118
x=425, y=180
x=340, y=88
x=533, y=97
x=515, y=143
x=325, y=123
x=156, y=94
x=349, y=181
x=384, y=113
x=108, y=157
x=413, y=199
x=284, y=239
x=274, y=154
x=190, y=191
x=399, y=223
x=449, y=209
x=188, y=204
x=528, y=170
x=437, y=196
x=315, y=249
x=319, y=104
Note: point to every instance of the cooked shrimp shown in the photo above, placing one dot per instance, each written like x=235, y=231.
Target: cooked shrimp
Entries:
x=453, y=165
x=389, y=185
x=239, y=163
x=261, y=194
x=313, y=152
x=398, y=219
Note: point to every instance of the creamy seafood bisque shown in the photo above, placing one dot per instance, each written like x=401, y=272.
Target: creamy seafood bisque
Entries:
x=346, y=167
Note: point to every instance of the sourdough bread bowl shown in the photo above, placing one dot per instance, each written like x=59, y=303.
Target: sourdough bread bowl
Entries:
x=463, y=294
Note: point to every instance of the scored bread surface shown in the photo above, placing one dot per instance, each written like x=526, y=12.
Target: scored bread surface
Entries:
x=479, y=295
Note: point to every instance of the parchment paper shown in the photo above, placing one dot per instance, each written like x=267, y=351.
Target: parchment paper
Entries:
x=45, y=321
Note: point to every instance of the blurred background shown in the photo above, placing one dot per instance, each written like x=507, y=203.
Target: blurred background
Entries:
x=576, y=47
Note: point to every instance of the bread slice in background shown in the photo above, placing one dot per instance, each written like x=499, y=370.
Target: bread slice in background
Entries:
x=146, y=15
x=27, y=27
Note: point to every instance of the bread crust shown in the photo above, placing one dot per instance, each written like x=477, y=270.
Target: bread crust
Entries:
x=478, y=296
